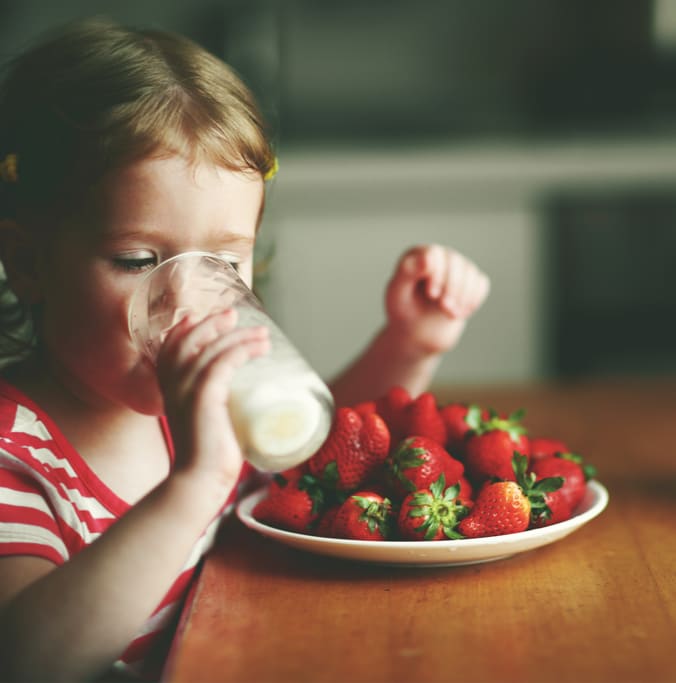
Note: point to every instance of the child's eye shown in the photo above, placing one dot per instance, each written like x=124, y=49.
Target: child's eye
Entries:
x=134, y=263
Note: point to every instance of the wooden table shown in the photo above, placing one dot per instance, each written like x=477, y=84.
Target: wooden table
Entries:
x=599, y=605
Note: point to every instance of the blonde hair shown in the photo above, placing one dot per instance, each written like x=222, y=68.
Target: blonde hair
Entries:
x=96, y=95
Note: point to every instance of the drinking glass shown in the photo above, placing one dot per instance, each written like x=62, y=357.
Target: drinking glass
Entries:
x=280, y=409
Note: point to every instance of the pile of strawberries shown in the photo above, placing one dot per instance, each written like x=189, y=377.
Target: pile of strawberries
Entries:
x=400, y=468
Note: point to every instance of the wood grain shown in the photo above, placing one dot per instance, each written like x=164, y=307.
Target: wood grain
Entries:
x=597, y=606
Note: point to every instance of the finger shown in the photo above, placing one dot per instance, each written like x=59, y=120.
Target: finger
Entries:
x=193, y=341
x=173, y=336
x=214, y=375
x=454, y=285
x=435, y=270
x=237, y=337
x=250, y=339
x=426, y=263
x=189, y=337
x=475, y=291
x=454, y=282
x=410, y=265
x=469, y=283
x=179, y=364
x=402, y=286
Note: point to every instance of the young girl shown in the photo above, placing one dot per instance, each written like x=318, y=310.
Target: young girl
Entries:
x=119, y=149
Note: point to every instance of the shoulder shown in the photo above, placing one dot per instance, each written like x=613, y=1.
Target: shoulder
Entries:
x=23, y=432
x=45, y=508
x=30, y=507
x=19, y=416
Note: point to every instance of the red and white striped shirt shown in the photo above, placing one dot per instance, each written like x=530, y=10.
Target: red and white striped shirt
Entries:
x=52, y=505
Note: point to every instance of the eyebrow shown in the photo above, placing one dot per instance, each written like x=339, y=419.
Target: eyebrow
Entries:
x=230, y=237
x=215, y=236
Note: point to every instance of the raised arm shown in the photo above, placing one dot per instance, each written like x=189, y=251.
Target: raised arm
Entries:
x=431, y=295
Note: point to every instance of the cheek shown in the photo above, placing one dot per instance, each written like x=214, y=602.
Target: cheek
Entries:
x=85, y=314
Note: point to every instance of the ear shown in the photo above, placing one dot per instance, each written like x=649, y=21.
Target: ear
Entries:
x=19, y=256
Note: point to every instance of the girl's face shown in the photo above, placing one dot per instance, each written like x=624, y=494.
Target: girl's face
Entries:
x=144, y=214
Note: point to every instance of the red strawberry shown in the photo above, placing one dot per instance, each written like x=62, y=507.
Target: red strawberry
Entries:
x=293, y=475
x=365, y=407
x=558, y=510
x=541, y=447
x=324, y=526
x=355, y=448
x=421, y=418
x=391, y=407
x=417, y=463
x=458, y=428
x=431, y=514
x=572, y=469
x=500, y=508
x=291, y=505
x=489, y=449
x=364, y=516
x=508, y=507
x=280, y=480
x=466, y=495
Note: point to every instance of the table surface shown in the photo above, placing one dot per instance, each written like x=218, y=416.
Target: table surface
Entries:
x=596, y=606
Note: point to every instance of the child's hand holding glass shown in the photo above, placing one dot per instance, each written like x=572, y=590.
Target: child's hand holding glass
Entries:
x=195, y=367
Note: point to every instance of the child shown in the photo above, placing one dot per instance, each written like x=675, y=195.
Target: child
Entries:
x=120, y=149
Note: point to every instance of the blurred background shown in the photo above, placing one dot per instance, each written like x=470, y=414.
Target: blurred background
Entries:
x=536, y=136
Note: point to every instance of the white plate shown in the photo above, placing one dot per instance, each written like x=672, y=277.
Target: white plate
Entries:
x=431, y=553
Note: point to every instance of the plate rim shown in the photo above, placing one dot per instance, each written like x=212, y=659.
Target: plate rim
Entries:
x=506, y=544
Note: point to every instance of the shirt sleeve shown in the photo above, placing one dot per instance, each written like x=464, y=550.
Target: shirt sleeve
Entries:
x=27, y=524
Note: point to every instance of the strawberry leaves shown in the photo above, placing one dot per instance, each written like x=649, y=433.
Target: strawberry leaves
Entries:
x=364, y=516
x=406, y=458
x=511, y=424
x=376, y=514
x=535, y=490
x=433, y=513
